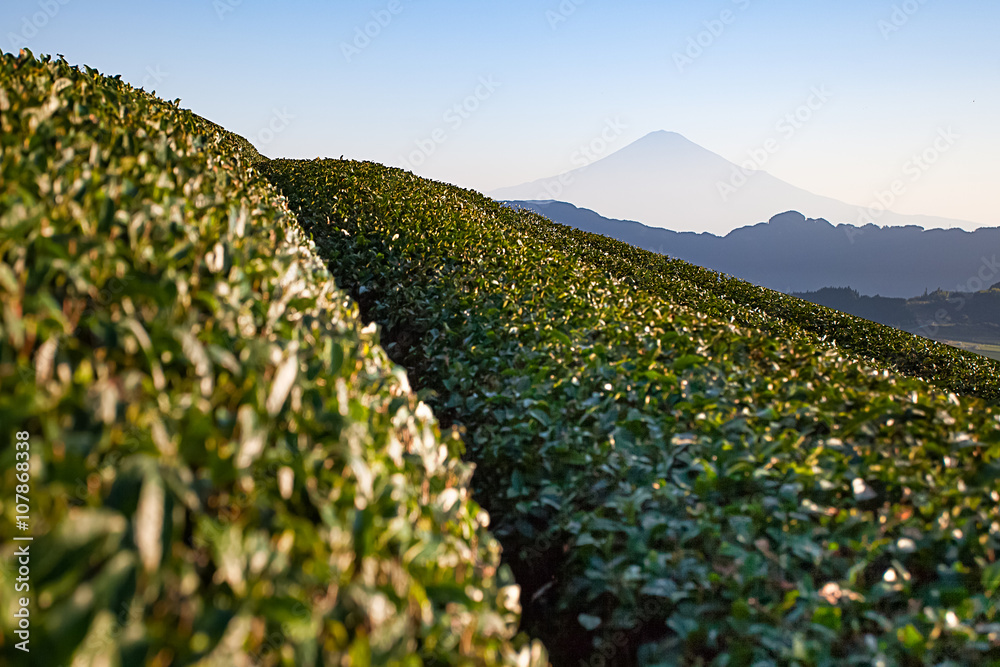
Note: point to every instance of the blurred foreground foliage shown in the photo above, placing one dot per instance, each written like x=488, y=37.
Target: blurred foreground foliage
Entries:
x=226, y=469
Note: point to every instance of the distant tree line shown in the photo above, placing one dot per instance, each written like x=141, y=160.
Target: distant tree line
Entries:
x=967, y=308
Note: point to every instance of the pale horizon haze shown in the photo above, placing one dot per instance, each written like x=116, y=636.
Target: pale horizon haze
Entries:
x=845, y=94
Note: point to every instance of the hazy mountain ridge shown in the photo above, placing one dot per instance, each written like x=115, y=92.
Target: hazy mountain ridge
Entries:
x=668, y=181
x=792, y=253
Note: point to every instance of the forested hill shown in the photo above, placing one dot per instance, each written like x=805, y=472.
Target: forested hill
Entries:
x=791, y=253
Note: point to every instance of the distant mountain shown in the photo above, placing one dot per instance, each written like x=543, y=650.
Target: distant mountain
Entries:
x=665, y=180
x=791, y=253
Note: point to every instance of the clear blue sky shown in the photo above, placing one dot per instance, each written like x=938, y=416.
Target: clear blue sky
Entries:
x=298, y=81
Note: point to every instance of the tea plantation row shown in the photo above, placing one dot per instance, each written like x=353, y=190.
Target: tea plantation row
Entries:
x=678, y=475
x=223, y=466
x=785, y=316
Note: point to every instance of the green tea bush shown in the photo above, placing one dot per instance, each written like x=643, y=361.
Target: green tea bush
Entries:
x=785, y=316
x=225, y=468
x=678, y=475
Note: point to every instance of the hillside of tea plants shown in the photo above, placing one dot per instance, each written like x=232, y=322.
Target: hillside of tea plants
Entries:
x=682, y=468
x=222, y=466
x=226, y=467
